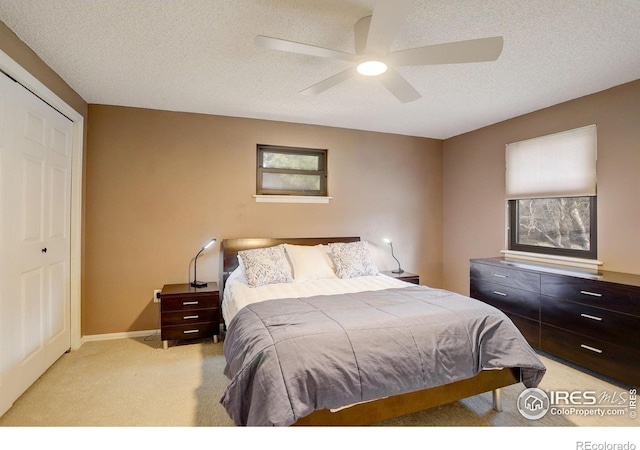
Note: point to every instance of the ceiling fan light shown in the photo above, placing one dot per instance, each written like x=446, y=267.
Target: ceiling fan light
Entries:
x=372, y=68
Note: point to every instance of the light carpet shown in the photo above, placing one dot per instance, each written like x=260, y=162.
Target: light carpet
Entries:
x=135, y=383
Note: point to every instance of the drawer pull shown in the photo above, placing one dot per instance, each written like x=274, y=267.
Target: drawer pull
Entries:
x=593, y=294
x=189, y=303
x=593, y=349
x=589, y=316
x=190, y=317
x=500, y=293
x=190, y=331
x=499, y=275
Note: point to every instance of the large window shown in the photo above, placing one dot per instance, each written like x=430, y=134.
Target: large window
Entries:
x=560, y=225
x=291, y=171
x=551, y=192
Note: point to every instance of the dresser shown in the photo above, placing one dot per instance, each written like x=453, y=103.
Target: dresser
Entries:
x=591, y=320
x=189, y=313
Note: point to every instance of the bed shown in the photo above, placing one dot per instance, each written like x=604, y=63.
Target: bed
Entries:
x=307, y=345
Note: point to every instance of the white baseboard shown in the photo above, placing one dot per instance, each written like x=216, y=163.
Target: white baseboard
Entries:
x=123, y=335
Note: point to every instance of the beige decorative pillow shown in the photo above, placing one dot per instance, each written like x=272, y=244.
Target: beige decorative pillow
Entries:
x=352, y=259
x=266, y=266
x=310, y=262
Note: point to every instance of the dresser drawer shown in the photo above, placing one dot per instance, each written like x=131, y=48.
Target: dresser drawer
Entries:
x=635, y=297
x=186, y=303
x=190, y=316
x=507, y=299
x=190, y=331
x=602, y=324
x=608, y=359
x=593, y=293
x=519, y=279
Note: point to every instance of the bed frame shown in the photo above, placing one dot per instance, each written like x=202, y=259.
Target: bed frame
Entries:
x=389, y=407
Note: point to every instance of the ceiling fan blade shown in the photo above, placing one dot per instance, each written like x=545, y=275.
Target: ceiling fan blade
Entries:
x=399, y=86
x=386, y=20
x=329, y=82
x=305, y=49
x=475, y=50
x=361, y=31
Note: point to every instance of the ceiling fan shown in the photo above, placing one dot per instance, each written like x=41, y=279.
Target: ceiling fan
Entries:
x=374, y=35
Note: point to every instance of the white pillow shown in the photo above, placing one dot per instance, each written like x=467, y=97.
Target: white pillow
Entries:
x=238, y=273
x=353, y=259
x=266, y=266
x=309, y=262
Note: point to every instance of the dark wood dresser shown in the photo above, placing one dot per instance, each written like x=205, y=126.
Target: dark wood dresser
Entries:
x=591, y=320
x=189, y=313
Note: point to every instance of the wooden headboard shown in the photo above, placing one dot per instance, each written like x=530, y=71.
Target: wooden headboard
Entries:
x=229, y=249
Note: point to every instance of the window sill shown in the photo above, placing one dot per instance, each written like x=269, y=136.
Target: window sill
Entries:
x=580, y=263
x=291, y=199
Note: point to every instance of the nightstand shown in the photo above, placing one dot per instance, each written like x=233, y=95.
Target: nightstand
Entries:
x=189, y=313
x=404, y=276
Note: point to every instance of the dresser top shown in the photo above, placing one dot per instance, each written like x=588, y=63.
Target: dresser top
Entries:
x=628, y=279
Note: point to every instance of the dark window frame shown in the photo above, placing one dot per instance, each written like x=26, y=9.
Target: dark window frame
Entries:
x=322, y=173
x=592, y=253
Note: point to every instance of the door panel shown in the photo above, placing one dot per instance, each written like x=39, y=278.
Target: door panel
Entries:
x=58, y=195
x=58, y=319
x=35, y=249
x=31, y=309
x=32, y=189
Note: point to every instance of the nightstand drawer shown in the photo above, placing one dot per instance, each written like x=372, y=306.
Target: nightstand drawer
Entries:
x=190, y=331
x=186, y=303
x=505, y=298
x=404, y=276
x=506, y=276
x=608, y=326
x=413, y=280
x=190, y=316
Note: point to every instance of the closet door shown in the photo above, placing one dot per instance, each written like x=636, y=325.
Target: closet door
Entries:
x=35, y=193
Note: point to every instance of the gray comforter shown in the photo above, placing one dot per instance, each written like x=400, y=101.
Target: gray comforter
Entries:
x=289, y=357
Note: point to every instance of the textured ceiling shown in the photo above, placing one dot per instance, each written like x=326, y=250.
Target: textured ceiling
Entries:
x=199, y=56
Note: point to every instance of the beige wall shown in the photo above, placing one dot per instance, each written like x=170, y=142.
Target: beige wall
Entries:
x=474, y=205
x=160, y=184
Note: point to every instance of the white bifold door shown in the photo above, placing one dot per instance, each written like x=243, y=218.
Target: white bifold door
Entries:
x=35, y=195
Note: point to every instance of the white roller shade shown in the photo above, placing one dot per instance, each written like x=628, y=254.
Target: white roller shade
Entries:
x=556, y=165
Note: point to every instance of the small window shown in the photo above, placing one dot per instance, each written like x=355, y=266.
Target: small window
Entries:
x=291, y=171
